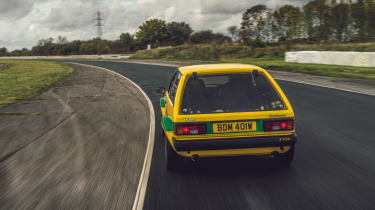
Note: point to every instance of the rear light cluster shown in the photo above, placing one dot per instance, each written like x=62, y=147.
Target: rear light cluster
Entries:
x=278, y=125
x=190, y=129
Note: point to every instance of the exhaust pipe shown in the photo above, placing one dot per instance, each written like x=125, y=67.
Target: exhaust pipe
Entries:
x=195, y=158
x=274, y=154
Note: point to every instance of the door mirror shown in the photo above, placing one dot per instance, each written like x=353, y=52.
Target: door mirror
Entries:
x=161, y=90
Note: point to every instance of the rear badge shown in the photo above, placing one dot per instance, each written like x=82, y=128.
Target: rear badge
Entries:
x=285, y=139
x=189, y=119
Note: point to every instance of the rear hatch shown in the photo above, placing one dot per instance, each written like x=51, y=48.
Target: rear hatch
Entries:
x=235, y=104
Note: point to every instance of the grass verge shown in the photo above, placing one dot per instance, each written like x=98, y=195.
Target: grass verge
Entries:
x=25, y=79
x=314, y=69
x=208, y=52
x=269, y=57
x=238, y=50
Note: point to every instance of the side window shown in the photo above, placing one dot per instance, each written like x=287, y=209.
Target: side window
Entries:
x=173, y=86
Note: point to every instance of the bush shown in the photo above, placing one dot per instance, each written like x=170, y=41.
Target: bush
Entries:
x=216, y=51
x=208, y=37
x=256, y=43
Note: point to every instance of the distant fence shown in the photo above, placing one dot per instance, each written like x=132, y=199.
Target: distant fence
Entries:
x=106, y=57
x=362, y=59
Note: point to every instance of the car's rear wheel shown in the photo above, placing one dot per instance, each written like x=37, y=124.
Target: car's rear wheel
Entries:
x=173, y=160
x=287, y=157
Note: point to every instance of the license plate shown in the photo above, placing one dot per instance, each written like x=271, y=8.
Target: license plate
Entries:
x=243, y=126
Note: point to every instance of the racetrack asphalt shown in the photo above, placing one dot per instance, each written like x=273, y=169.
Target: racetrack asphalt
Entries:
x=79, y=145
x=334, y=166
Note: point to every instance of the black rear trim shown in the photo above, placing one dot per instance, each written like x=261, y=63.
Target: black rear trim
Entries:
x=233, y=143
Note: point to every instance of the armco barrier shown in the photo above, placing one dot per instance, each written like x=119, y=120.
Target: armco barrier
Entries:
x=362, y=59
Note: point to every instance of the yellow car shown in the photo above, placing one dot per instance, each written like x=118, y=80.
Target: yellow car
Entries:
x=225, y=110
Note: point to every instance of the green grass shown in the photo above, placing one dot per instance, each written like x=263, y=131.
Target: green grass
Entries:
x=4, y=66
x=25, y=79
x=184, y=52
x=212, y=52
x=314, y=69
x=271, y=57
x=208, y=52
x=359, y=47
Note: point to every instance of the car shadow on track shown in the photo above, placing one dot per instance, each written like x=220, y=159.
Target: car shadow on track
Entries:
x=234, y=166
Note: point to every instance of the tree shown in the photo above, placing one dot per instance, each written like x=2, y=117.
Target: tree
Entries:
x=45, y=42
x=207, y=36
x=253, y=22
x=127, y=42
x=25, y=52
x=220, y=38
x=371, y=18
x=200, y=37
x=341, y=21
x=83, y=48
x=127, y=39
x=317, y=17
x=61, y=40
x=233, y=30
x=289, y=21
x=91, y=48
x=73, y=47
x=178, y=32
x=3, y=51
x=360, y=17
x=153, y=31
x=103, y=48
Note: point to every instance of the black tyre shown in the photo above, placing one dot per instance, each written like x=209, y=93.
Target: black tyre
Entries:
x=173, y=160
x=287, y=158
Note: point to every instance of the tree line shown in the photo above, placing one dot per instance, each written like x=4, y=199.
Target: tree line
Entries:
x=317, y=21
x=154, y=32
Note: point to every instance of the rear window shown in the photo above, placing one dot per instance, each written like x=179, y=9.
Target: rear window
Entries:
x=245, y=92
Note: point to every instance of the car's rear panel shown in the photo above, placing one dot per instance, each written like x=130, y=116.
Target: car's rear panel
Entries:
x=209, y=120
x=216, y=142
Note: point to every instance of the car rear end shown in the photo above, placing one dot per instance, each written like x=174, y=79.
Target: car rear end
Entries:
x=230, y=112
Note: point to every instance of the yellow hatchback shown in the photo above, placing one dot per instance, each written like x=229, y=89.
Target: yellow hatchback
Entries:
x=225, y=110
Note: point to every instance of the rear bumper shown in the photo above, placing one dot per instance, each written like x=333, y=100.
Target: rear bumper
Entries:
x=236, y=143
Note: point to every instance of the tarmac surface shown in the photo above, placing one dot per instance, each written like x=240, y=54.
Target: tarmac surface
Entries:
x=334, y=165
x=365, y=86
x=80, y=145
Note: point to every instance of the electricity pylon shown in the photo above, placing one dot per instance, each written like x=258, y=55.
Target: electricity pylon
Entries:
x=98, y=19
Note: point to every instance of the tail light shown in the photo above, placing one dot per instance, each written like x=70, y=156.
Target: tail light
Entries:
x=278, y=125
x=190, y=129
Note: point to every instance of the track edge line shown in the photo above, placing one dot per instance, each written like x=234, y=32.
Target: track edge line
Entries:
x=143, y=179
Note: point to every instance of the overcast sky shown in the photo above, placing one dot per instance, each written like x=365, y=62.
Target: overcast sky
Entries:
x=24, y=22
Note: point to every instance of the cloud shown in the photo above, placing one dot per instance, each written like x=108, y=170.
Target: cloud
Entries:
x=238, y=6
x=24, y=22
x=225, y=6
x=15, y=9
x=70, y=15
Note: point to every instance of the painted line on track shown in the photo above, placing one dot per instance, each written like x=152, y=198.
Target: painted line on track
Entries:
x=326, y=86
x=288, y=80
x=142, y=185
